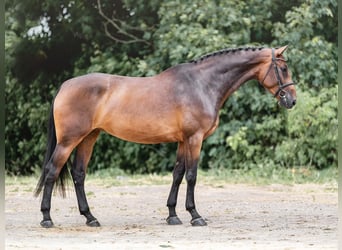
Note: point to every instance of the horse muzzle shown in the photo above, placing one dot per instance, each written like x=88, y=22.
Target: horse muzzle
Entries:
x=286, y=100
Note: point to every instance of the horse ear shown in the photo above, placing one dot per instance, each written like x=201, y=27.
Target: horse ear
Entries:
x=281, y=50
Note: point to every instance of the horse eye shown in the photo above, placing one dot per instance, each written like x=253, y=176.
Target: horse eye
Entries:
x=284, y=69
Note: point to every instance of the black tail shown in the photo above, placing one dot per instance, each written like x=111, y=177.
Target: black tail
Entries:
x=50, y=148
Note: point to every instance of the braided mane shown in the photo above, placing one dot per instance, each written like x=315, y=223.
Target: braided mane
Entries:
x=225, y=51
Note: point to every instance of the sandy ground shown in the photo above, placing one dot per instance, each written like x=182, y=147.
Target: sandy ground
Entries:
x=133, y=217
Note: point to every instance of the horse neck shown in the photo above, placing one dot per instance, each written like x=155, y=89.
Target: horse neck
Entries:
x=224, y=74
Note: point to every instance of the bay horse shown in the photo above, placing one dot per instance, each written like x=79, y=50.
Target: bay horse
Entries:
x=181, y=104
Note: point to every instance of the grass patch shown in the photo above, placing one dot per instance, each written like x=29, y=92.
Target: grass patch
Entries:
x=126, y=179
x=213, y=177
x=89, y=194
x=264, y=176
x=21, y=180
x=219, y=177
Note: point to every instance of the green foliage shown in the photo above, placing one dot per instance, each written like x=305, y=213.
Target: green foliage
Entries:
x=313, y=138
x=26, y=128
x=110, y=152
x=255, y=134
x=309, y=30
x=245, y=138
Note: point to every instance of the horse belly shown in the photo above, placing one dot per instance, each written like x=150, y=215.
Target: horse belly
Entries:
x=142, y=131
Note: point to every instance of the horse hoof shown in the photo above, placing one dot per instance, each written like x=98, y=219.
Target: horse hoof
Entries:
x=46, y=223
x=93, y=223
x=198, y=222
x=174, y=220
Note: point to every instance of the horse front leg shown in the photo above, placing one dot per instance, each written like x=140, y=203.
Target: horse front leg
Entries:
x=191, y=176
x=192, y=157
x=178, y=174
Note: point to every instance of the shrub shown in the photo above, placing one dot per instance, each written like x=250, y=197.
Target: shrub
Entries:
x=312, y=131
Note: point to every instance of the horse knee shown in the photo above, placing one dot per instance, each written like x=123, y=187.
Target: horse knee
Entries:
x=177, y=178
x=191, y=178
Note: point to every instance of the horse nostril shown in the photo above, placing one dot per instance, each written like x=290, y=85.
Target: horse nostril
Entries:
x=294, y=102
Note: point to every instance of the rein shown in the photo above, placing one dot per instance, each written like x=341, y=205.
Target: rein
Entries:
x=281, y=92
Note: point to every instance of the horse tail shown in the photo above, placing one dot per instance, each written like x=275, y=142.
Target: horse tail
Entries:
x=50, y=148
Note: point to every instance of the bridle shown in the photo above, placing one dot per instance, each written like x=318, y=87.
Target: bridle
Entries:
x=281, y=90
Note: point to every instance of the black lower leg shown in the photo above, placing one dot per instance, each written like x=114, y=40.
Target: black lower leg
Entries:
x=78, y=178
x=196, y=220
x=178, y=174
x=46, y=201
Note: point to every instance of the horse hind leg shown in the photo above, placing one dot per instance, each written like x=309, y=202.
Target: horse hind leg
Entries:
x=52, y=170
x=78, y=173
